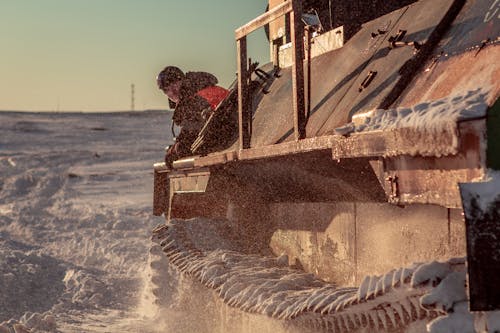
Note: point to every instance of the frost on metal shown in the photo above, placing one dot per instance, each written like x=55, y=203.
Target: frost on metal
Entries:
x=427, y=117
x=200, y=248
x=481, y=197
x=481, y=204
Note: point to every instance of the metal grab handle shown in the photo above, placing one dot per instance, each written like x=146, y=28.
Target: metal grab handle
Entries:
x=368, y=79
x=398, y=37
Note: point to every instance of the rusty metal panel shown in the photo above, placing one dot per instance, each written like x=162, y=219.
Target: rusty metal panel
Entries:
x=422, y=25
x=403, y=141
x=189, y=182
x=388, y=236
x=339, y=73
x=479, y=21
x=273, y=116
x=433, y=180
x=335, y=73
x=319, y=237
x=449, y=76
x=464, y=60
x=332, y=75
x=310, y=177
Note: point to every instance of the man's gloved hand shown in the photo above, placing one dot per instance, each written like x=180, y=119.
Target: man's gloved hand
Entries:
x=171, y=154
x=206, y=113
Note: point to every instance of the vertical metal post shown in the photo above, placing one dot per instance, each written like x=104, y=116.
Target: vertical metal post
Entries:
x=307, y=84
x=243, y=105
x=297, y=34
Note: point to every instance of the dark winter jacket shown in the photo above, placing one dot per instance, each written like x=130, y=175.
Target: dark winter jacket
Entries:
x=187, y=112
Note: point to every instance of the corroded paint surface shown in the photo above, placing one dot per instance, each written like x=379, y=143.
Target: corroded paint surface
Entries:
x=342, y=243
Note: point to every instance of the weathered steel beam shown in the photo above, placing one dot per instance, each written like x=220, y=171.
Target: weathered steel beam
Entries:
x=297, y=35
x=365, y=144
x=264, y=19
x=244, y=117
x=161, y=193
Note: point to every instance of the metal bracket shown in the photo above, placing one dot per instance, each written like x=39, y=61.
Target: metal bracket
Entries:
x=368, y=79
x=397, y=37
x=394, y=187
x=481, y=47
x=379, y=32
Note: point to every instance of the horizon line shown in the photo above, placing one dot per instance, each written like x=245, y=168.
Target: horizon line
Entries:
x=85, y=111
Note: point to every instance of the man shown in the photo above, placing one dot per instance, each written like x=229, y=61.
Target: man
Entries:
x=194, y=96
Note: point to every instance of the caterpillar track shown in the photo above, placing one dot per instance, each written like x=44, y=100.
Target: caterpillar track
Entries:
x=369, y=141
x=268, y=286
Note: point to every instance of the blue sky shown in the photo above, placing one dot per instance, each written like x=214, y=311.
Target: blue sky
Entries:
x=83, y=55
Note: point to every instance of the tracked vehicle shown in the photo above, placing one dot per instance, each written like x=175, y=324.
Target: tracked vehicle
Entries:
x=369, y=142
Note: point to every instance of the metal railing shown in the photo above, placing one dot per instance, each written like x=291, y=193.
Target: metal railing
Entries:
x=294, y=9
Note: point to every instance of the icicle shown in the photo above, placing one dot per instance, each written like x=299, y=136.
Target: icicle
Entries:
x=365, y=319
x=212, y=272
x=348, y=319
x=399, y=310
x=379, y=287
x=327, y=299
x=175, y=257
x=396, y=278
x=301, y=307
x=182, y=267
x=372, y=287
x=336, y=304
x=356, y=318
x=342, y=323
x=171, y=245
x=416, y=304
x=316, y=297
x=432, y=272
x=390, y=313
x=330, y=326
x=407, y=307
x=288, y=314
x=406, y=275
x=363, y=288
x=197, y=267
x=382, y=317
x=352, y=319
x=374, y=317
x=345, y=303
x=281, y=308
x=387, y=281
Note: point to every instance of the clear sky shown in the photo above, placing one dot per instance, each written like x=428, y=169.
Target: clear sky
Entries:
x=83, y=55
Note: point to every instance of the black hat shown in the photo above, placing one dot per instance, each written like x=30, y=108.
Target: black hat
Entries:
x=169, y=75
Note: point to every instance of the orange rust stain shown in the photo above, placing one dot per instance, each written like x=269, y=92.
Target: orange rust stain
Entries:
x=448, y=75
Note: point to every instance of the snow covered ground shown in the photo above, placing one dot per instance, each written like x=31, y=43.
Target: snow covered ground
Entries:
x=75, y=227
x=76, y=218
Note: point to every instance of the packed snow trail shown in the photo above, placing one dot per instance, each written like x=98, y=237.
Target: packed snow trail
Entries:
x=75, y=218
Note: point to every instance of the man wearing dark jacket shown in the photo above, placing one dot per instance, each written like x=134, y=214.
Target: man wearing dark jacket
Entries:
x=194, y=96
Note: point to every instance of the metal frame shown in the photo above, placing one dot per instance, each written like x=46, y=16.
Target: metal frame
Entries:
x=294, y=9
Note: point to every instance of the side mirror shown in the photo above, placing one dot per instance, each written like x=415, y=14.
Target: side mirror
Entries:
x=312, y=19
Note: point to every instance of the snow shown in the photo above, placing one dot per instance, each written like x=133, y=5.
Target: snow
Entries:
x=75, y=226
x=447, y=294
x=75, y=218
x=264, y=286
x=430, y=116
x=485, y=192
x=458, y=321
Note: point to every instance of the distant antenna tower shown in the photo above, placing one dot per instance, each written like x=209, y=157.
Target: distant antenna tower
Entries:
x=132, y=97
